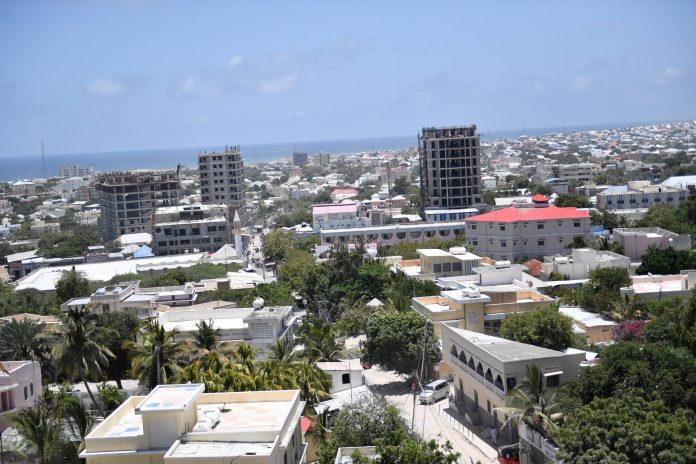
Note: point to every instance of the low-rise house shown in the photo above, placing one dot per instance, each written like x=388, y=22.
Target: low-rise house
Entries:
x=636, y=241
x=124, y=297
x=344, y=374
x=261, y=327
x=656, y=287
x=20, y=386
x=592, y=327
x=392, y=234
x=182, y=424
x=582, y=261
x=434, y=263
x=486, y=368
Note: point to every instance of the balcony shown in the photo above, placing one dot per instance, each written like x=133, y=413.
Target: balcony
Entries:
x=489, y=384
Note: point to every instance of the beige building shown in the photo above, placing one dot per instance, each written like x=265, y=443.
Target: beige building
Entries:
x=222, y=177
x=450, y=167
x=580, y=172
x=434, y=263
x=183, y=228
x=582, y=261
x=125, y=297
x=182, y=424
x=521, y=233
x=636, y=241
x=592, y=327
x=485, y=368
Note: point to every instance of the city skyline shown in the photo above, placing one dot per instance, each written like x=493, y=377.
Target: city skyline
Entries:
x=184, y=77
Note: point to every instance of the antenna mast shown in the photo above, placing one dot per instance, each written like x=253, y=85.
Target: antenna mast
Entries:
x=43, y=159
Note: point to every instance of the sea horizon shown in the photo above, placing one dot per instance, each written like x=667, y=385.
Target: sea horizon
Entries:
x=15, y=167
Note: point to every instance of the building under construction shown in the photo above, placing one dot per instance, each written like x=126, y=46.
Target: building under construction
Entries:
x=128, y=200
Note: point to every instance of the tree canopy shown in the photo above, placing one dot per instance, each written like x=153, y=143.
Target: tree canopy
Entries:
x=545, y=327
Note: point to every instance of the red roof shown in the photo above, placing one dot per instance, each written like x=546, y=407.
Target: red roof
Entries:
x=539, y=198
x=529, y=214
x=306, y=424
x=534, y=267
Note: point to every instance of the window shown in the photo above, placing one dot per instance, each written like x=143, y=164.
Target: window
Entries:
x=437, y=268
x=540, y=242
x=576, y=224
x=345, y=378
x=502, y=227
x=474, y=243
x=488, y=406
x=26, y=394
x=472, y=226
x=503, y=244
x=553, y=380
x=31, y=388
x=511, y=383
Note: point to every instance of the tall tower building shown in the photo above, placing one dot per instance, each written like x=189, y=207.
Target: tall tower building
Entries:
x=450, y=168
x=299, y=159
x=222, y=178
x=128, y=200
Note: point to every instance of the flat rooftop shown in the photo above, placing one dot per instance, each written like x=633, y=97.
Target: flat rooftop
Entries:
x=170, y=398
x=218, y=449
x=504, y=350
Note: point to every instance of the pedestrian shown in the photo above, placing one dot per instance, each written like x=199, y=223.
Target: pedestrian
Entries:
x=494, y=435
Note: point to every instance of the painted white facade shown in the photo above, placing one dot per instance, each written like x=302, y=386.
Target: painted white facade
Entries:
x=344, y=374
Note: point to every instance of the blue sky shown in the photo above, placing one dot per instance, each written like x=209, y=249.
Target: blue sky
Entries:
x=101, y=76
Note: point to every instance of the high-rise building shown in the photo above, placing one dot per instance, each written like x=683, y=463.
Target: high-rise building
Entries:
x=222, y=177
x=322, y=159
x=299, y=159
x=128, y=199
x=75, y=170
x=183, y=229
x=450, y=173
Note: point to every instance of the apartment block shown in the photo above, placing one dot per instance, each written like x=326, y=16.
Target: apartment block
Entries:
x=222, y=177
x=338, y=216
x=300, y=159
x=182, y=424
x=450, y=167
x=579, y=172
x=322, y=159
x=182, y=229
x=75, y=170
x=636, y=241
x=393, y=233
x=520, y=233
x=485, y=368
x=640, y=194
x=433, y=263
x=128, y=200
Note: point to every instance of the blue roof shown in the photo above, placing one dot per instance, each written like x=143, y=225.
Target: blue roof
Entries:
x=143, y=252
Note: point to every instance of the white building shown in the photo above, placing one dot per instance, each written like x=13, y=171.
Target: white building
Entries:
x=582, y=261
x=182, y=229
x=222, y=177
x=20, y=386
x=338, y=216
x=23, y=188
x=636, y=241
x=641, y=194
x=182, y=424
x=434, y=263
x=75, y=170
x=344, y=374
x=449, y=215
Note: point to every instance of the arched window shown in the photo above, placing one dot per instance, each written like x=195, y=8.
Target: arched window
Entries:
x=489, y=375
x=479, y=369
x=401, y=235
x=453, y=351
x=499, y=383
x=462, y=357
x=26, y=395
x=31, y=388
x=472, y=366
x=415, y=234
x=444, y=232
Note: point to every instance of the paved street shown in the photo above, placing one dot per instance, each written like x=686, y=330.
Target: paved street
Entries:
x=431, y=421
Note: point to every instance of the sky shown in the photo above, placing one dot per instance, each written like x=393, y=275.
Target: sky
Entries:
x=93, y=76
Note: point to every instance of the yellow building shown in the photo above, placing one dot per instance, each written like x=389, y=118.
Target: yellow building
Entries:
x=182, y=424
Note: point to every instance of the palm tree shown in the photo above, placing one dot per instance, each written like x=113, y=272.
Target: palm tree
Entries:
x=313, y=382
x=320, y=342
x=281, y=352
x=156, y=356
x=23, y=339
x=531, y=402
x=76, y=417
x=40, y=431
x=80, y=352
x=207, y=336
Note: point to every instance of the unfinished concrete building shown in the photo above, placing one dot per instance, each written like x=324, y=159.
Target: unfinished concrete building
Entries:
x=128, y=200
x=222, y=177
x=450, y=172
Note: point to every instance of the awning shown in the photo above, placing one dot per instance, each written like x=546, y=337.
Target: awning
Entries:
x=549, y=374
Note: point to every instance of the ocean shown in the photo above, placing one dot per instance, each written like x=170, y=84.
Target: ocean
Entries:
x=31, y=166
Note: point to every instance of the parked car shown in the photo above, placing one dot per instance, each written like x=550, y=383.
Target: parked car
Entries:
x=434, y=391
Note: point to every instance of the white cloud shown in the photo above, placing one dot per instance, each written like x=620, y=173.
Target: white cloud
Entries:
x=580, y=83
x=235, y=61
x=106, y=87
x=671, y=72
x=199, y=87
x=278, y=85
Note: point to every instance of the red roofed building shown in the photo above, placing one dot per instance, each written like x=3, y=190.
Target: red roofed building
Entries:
x=524, y=233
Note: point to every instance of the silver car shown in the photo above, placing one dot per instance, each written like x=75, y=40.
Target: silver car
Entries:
x=434, y=391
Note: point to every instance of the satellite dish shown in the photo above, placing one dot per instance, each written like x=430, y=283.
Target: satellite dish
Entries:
x=258, y=303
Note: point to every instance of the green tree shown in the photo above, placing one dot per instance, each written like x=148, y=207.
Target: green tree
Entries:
x=566, y=200
x=401, y=186
x=71, y=285
x=81, y=352
x=24, y=339
x=122, y=327
x=156, y=356
x=628, y=428
x=276, y=245
x=666, y=261
x=320, y=341
x=110, y=395
x=395, y=342
x=602, y=293
x=410, y=451
x=545, y=327
x=207, y=336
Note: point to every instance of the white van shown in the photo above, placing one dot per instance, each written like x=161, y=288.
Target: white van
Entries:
x=434, y=391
